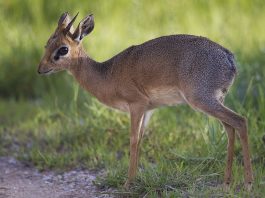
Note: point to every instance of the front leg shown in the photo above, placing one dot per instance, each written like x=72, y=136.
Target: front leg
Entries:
x=137, y=114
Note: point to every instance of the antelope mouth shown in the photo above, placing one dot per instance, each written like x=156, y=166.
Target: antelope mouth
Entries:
x=46, y=72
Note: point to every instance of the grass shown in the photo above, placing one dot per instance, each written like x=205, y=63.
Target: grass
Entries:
x=52, y=124
x=183, y=152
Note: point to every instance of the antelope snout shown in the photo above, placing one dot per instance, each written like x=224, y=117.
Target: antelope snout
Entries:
x=39, y=70
x=43, y=69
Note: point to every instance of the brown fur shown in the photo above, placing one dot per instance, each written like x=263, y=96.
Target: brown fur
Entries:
x=164, y=71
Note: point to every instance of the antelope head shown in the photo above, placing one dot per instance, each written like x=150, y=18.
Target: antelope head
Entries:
x=65, y=45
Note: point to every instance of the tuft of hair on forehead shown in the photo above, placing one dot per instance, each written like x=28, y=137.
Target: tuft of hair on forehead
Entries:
x=57, y=38
x=52, y=38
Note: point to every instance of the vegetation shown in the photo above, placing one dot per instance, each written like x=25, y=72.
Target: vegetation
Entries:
x=51, y=123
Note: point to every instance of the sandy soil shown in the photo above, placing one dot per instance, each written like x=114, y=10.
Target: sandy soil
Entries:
x=19, y=181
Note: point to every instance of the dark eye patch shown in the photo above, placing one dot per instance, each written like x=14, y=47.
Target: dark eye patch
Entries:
x=56, y=57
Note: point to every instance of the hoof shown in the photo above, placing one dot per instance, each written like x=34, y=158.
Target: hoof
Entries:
x=126, y=185
x=226, y=186
x=248, y=186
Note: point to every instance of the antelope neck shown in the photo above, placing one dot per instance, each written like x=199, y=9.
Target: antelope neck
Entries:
x=92, y=75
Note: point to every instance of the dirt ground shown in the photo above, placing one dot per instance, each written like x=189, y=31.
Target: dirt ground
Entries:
x=19, y=181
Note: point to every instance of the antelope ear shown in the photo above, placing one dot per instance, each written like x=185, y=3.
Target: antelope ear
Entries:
x=84, y=28
x=64, y=20
x=65, y=23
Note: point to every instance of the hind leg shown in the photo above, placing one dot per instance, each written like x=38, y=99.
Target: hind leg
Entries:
x=215, y=108
x=146, y=119
x=230, y=154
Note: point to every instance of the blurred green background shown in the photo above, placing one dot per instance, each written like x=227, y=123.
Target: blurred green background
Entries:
x=51, y=123
x=26, y=26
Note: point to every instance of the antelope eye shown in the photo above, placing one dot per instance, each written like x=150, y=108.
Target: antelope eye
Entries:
x=62, y=51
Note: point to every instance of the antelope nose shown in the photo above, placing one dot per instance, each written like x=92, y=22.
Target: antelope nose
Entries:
x=39, y=69
x=39, y=72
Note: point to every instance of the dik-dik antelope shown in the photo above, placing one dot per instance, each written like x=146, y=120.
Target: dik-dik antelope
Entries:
x=164, y=71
